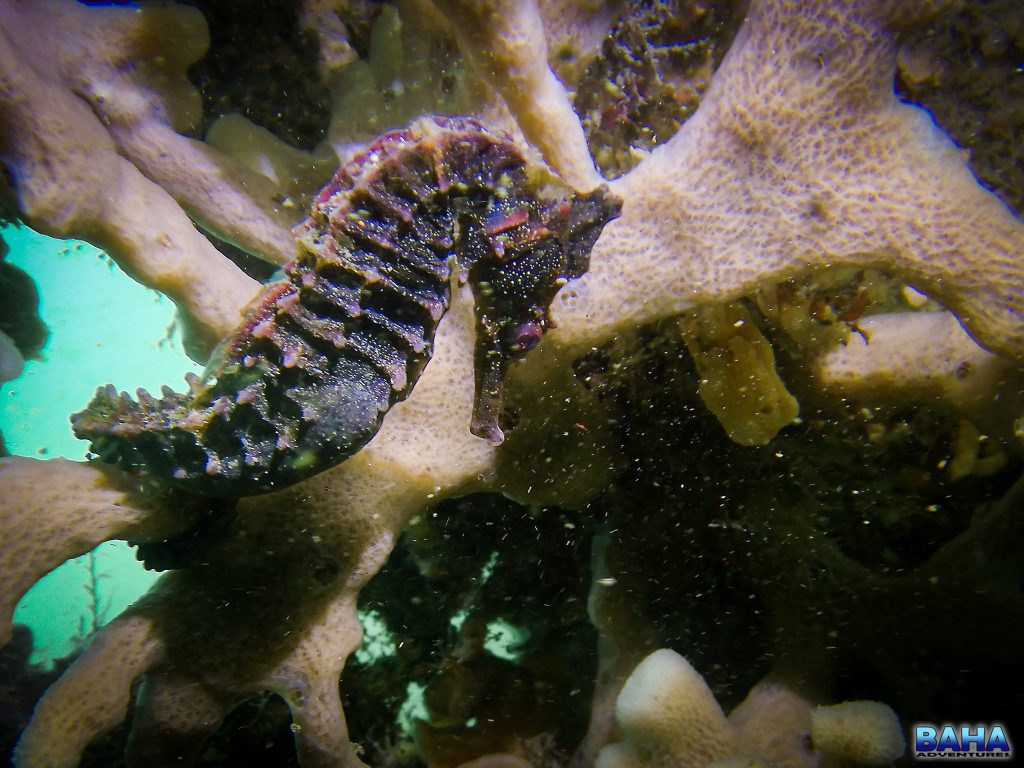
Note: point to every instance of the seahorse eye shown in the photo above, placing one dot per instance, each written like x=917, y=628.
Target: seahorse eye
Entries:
x=525, y=336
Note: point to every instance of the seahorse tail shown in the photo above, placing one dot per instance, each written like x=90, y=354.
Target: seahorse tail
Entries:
x=275, y=406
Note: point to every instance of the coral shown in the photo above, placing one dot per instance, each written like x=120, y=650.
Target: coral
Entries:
x=294, y=172
x=812, y=163
x=861, y=732
x=504, y=40
x=57, y=509
x=350, y=517
x=670, y=718
x=94, y=150
x=773, y=723
x=819, y=558
x=382, y=71
x=927, y=356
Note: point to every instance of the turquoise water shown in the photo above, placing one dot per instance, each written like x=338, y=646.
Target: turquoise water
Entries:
x=104, y=327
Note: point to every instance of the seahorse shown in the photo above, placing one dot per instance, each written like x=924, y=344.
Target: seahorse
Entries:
x=325, y=351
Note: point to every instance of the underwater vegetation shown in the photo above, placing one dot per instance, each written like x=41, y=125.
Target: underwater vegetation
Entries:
x=760, y=456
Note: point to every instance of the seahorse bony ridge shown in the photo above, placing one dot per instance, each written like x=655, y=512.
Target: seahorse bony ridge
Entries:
x=328, y=348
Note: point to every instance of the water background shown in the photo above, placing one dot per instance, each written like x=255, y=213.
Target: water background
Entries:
x=104, y=327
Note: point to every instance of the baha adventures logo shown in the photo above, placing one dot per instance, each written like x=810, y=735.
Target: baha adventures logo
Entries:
x=978, y=742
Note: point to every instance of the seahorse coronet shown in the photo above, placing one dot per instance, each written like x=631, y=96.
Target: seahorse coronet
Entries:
x=345, y=330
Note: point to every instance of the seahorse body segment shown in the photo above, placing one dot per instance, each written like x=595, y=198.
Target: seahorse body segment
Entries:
x=326, y=350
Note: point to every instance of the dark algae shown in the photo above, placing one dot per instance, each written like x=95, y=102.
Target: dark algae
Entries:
x=327, y=349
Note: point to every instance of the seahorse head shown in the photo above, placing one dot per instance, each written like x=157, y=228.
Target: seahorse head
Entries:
x=532, y=253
